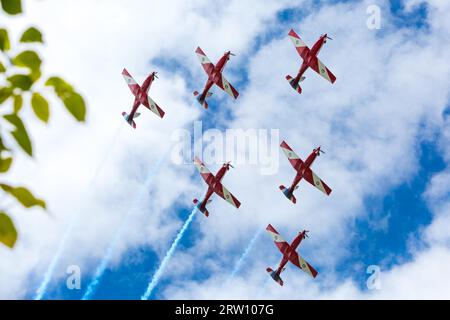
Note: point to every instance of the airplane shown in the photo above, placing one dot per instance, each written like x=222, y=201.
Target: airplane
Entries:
x=215, y=76
x=214, y=186
x=303, y=171
x=310, y=60
x=289, y=254
x=140, y=97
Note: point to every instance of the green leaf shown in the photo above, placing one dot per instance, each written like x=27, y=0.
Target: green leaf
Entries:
x=21, y=81
x=75, y=105
x=12, y=6
x=5, y=93
x=2, y=145
x=2, y=68
x=5, y=164
x=20, y=133
x=8, y=233
x=18, y=103
x=35, y=75
x=40, y=107
x=28, y=59
x=73, y=101
x=60, y=86
x=4, y=40
x=24, y=196
x=31, y=35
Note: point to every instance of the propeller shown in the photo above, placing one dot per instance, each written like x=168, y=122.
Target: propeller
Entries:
x=327, y=37
x=228, y=164
x=320, y=151
x=155, y=74
x=306, y=233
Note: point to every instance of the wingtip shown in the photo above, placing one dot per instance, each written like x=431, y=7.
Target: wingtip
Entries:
x=292, y=33
x=284, y=144
x=197, y=160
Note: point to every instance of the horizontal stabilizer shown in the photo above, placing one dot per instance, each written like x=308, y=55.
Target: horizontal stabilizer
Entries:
x=198, y=205
x=275, y=276
x=288, y=194
x=201, y=100
x=294, y=83
x=127, y=119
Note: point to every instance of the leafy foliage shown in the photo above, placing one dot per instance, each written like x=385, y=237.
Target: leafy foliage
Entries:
x=12, y=6
x=8, y=233
x=21, y=85
x=31, y=35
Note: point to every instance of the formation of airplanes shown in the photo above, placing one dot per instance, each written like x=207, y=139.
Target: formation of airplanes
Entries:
x=214, y=182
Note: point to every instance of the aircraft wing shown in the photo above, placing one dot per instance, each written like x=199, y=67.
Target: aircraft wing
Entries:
x=226, y=195
x=204, y=172
x=321, y=69
x=300, y=46
x=282, y=245
x=294, y=159
x=151, y=105
x=132, y=84
x=298, y=261
x=312, y=178
x=207, y=65
x=227, y=87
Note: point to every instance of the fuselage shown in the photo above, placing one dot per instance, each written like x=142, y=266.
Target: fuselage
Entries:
x=293, y=247
x=217, y=178
x=302, y=167
x=216, y=74
x=312, y=53
x=143, y=94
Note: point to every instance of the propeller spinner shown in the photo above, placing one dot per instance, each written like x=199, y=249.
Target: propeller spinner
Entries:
x=228, y=164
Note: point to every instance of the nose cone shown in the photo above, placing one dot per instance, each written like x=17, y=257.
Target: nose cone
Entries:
x=227, y=165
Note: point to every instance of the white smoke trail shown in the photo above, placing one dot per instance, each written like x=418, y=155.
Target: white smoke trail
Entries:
x=244, y=255
x=107, y=257
x=157, y=275
x=42, y=289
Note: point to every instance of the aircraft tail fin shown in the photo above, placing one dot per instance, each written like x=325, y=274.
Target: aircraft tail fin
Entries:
x=288, y=194
x=203, y=210
x=127, y=119
x=295, y=83
x=201, y=99
x=275, y=276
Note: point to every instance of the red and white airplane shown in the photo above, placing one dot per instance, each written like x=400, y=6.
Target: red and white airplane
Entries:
x=140, y=97
x=215, y=76
x=289, y=254
x=303, y=171
x=214, y=186
x=310, y=60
